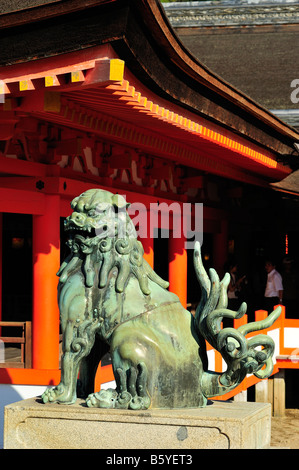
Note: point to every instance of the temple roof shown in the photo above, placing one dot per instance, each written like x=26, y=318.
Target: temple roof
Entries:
x=289, y=185
x=251, y=44
x=158, y=84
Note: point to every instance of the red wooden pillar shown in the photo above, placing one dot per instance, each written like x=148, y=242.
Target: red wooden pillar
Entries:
x=148, y=243
x=177, y=259
x=46, y=261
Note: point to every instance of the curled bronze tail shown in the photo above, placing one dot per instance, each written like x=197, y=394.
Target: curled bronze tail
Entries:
x=242, y=355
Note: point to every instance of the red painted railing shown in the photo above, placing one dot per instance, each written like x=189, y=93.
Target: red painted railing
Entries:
x=284, y=332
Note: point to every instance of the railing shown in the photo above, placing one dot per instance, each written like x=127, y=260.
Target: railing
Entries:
x=24, y=340
x=285, y=334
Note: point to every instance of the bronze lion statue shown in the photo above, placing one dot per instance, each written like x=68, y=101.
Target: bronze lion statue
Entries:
x=110, y=299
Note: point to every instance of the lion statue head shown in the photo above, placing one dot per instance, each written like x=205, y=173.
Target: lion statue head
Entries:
x=102, y=236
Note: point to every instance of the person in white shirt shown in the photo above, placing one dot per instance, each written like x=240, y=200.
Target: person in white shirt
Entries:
x=274, y=287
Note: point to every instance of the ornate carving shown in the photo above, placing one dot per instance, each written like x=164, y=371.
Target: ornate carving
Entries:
x=211, y=13
x=110, y=298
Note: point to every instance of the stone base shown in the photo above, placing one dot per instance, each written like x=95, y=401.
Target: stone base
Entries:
x=221, y=425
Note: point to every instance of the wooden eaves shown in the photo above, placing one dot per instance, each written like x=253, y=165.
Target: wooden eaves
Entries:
x=140, y=34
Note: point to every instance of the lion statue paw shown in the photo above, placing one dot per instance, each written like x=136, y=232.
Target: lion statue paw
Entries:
x=111, y=399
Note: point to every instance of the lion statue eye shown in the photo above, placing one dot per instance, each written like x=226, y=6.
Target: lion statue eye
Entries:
x=91, y=213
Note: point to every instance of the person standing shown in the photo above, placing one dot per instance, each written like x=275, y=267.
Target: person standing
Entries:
x=234, y=288
x=274, y=288
x=233, y=291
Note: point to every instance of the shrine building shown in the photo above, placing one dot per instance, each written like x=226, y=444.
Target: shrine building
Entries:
x=103, y=94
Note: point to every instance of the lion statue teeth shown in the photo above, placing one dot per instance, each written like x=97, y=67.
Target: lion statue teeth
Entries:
x=110, y=299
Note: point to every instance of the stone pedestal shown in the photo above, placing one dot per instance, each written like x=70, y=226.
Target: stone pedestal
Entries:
x=221, y=425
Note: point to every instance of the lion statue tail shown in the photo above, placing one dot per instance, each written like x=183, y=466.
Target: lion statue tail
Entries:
x=243, y=356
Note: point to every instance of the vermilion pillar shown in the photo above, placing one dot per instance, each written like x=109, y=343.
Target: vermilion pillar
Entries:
x=177, y=258
x=46, y=261
x=148, y=246
x=148, y=243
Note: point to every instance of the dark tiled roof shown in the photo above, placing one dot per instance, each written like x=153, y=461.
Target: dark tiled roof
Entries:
x=261, y=61
x=253, y=45
x=139, y=33
x=232, y=12
x=290, y=184
x=9, y=6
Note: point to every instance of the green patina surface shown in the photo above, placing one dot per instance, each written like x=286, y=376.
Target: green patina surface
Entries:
x=110, y=299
